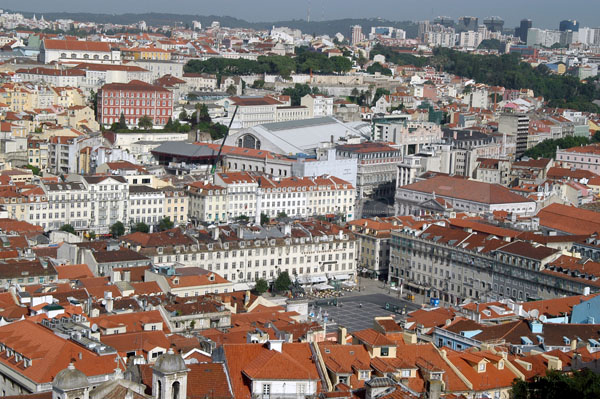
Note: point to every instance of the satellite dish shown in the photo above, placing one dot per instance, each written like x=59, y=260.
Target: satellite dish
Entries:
x=103, y=302
x=534, y=313
x=94, y=327
x=543, y=318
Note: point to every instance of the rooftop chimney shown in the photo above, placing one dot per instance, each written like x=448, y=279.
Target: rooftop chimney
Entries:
x=342, y=335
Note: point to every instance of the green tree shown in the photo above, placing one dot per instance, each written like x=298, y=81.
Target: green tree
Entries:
x=91, y=235
x=145, y=122
x=93, y=100
x=117, y=229
x=361, y=61
x=492, y=44
x=298, y=91
x=231, y=90
x=281, y=215
x=264, y=219
x=122, y=122
x=582, y=384
x=258, y=84
x=165, y=224
x=380, y=92
x=377, y=67
x=183, y=116
x=68, y=228
x=547, y=148
x=283, y=282
x=34, y=169
x=341, y=64
x=261, y=286
x=141, y=227
x=204, y=116
x=169, y=125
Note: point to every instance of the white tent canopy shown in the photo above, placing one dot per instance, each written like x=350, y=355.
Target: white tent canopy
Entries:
x=322, y=287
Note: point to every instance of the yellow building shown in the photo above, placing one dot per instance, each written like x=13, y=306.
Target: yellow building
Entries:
x=175, y=205
x=37, y=153
x=146, y=53
x=18, y=97
x=207, y=202
x=78, y=116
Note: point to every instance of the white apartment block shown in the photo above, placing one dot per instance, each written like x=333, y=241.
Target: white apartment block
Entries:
x=252, y=111
x=305, y=250
x=108, y=201
x=68, y=203
x=241, y=194
x=318, y=105
x=304, y=197
x=207, y=202
x=409, y=137
x=146, y=205
x=241, y=189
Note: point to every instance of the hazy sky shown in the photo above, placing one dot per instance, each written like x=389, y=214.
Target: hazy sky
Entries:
x=544, y=13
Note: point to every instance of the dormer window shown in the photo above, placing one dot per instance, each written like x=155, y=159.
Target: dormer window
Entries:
x=176, y=281
x=481, y=367
x=211, y=277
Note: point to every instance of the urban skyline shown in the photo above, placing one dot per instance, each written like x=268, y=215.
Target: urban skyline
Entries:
x=512, y=11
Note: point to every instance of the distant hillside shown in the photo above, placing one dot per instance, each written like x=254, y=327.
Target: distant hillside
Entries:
x=158, y=19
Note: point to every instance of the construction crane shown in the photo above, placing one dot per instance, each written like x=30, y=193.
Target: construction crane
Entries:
x=213, y=169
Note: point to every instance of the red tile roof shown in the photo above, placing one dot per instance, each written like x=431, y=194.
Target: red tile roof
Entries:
x=460, y=188
x=49, y=353
x=569, y=219
x=293, y=363
x=76, y=45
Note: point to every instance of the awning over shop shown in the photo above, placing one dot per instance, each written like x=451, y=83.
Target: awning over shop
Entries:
x=341, y=277
x=242, y=287
x=318, y=279
x=304, y=280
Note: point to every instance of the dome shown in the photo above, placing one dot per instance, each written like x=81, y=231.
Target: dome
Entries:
x=70, y=378
x=170, y=362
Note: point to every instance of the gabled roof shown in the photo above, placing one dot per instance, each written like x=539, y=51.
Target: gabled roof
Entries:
x=49, y=353
x=569, y=219
x=76, y=45
x=460, y=188
x=294, y=363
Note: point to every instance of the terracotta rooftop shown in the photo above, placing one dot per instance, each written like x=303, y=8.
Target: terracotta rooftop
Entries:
x=460, y=188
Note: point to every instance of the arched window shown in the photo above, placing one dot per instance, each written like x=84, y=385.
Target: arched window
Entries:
x=86, y=56
x=249, y=141
x=175, y=387
x=63, y=55
x=105, y=57
x=158, y=389
x=96, y=57
x=73, y=55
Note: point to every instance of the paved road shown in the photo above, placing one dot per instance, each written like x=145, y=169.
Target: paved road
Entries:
x=350, y=314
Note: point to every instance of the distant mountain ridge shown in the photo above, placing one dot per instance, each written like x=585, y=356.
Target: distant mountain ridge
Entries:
x=157, y=19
